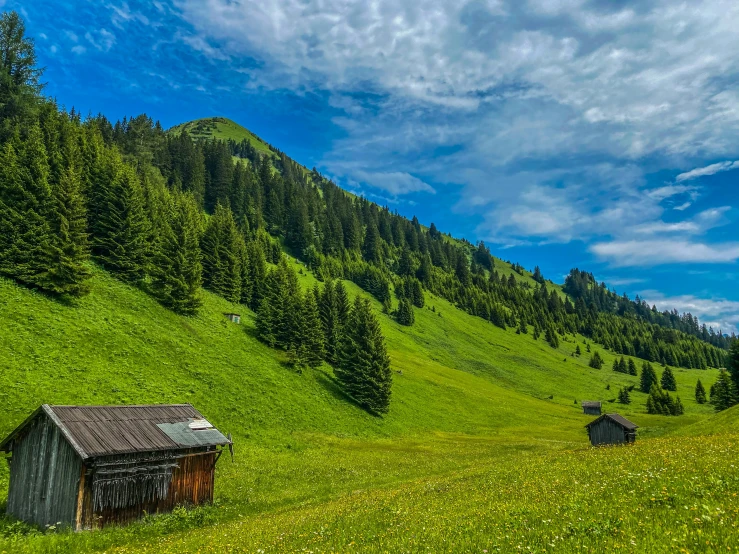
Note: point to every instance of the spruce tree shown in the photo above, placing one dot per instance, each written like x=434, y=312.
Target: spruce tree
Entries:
x=177, y=271
x=342, y=303
x=309, y=342
x=624, y=397
x=632, y=367
x=404, y=314
x=648, y=377
x=622, y=368
x=700, y=393
x=122, y=237
x=364, y=370
x=668, y=381
x=723, y=393
x=221, y=257
x=328, y=309
x=596, y=361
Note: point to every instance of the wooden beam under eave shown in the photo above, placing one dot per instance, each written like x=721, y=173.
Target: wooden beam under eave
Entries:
x=80, y=500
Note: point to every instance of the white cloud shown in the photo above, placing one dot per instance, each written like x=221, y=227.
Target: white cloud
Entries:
x=79, y=49
x=396, y=183
x=708, y=170
x=631, y=253
x=550, y=107
x=102, y=39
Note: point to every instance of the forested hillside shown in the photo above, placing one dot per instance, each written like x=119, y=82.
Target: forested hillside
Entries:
x=173, y=211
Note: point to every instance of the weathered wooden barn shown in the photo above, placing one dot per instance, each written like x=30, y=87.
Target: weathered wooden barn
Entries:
x=90, y=466
x=591, y=407
x=611, y=429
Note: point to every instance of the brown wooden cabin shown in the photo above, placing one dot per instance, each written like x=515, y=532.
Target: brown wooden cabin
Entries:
x=591, y=407
x=611, y=429
x=90, y=466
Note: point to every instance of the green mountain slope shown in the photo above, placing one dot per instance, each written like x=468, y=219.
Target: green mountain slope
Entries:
x=466, y=394
x=223, y=129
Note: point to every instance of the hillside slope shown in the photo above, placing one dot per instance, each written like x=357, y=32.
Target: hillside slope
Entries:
x=465, y=393
x=223, y=129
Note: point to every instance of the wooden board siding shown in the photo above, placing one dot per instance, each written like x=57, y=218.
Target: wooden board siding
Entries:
x=192, y=484
x=44, y=476
x=607, y=431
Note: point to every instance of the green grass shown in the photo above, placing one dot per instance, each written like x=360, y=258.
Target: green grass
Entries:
x=224, y=129
x=470, y=417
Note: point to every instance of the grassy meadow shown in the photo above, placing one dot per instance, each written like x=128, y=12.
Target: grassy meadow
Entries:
x=474, y=455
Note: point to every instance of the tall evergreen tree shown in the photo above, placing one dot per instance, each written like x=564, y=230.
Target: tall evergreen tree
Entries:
x=20, y=85
x=723, y=392
x=632, y=367
x=364, y=370
x=309, y=342
x=596, y=361
x=221, y=260
x=404, y=314
x=648, y=377
x=177, y=271
x=668, y=381
x=700, y=393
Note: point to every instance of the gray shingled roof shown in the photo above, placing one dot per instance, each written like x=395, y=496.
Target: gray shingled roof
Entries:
x=107, y=430
x=591, y=404
x=621, y=420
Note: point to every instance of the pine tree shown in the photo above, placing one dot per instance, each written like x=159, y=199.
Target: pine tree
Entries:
x=309, y=342
x=122, y=238
x=177, y=273
x=668, y=381
x=700, y=393
x=624, y=397
x=364, y=370
x=552, y=338
x=221, y=260
x=578, y=352
x=596, y=361
x=622, y=368
x=732, y=363
x=723, y=393
x=632, y=367
x=648, y=377
x=404, y=314
x=25, y=210
x=328, y=308
x=342, y=303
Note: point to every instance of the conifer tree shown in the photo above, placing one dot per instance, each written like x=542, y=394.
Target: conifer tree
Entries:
x=596, y=361
x=668, y=381
x=328, y=308
x=342, y=303
x=700, y=393
x=177, y=271
x=648, y=377
x=364, y=370
x=723, y=393
x=221, y=260
x=257, y=274
x=578, y=352
x=25, y=209
x=122, y=237
x=622, y=368
x=632, y=367
x=309, y=342
x=624, y=397
x=404, y=314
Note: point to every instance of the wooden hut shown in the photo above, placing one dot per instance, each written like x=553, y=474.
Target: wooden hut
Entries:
x=90, y=466
x=234, y=318
x=591, y=407
x=611, y=429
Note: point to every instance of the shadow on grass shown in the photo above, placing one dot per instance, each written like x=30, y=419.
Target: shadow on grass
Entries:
x=332, y=385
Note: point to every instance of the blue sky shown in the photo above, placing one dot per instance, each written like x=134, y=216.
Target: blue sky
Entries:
x=600, y=134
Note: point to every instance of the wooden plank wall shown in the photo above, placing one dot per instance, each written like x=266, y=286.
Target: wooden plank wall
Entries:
x=607, y=431
x=192, y=485
x=44, y=476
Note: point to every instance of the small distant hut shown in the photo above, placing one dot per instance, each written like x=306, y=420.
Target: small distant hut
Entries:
x=90, y=466
x=611, y=429
x=591, y=407
x=234, y=318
